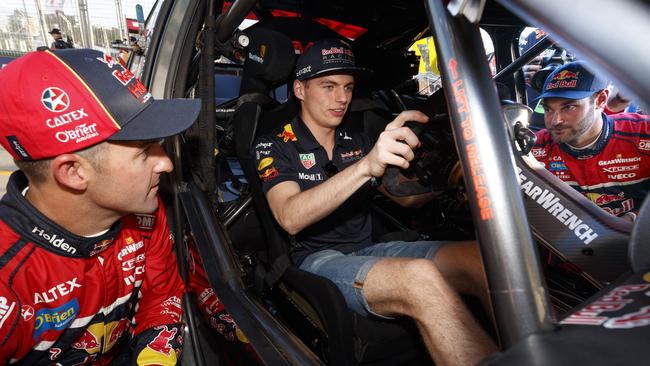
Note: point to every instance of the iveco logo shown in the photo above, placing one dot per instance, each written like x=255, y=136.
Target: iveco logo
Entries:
x=55, y=99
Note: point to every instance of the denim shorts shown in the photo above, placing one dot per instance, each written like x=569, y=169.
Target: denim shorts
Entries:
x=349, y=271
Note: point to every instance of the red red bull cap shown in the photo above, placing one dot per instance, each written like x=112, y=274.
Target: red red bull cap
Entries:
x=572, y=81
x=57, y=102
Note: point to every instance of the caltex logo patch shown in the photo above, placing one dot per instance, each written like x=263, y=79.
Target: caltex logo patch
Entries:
x=55, y=99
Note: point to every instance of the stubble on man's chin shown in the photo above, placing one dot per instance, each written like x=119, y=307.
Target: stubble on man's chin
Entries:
x=581, y=128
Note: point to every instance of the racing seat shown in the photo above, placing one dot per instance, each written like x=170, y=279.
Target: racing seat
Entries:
x=312, y=305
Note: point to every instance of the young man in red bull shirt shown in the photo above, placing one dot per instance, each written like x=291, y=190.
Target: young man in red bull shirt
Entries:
x=606, y=158
x=87, y=272
x=317, y=175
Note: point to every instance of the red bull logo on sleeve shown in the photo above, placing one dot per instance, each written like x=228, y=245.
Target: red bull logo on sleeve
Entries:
x=160, y=350
x=91, y=339
x=55, y=319
x=287, y=134
x=269, y=174
x=264, y=163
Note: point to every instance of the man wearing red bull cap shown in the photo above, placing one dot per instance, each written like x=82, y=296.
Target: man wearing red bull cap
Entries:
x=607, y=158
x=317, y=174
x=87, y=272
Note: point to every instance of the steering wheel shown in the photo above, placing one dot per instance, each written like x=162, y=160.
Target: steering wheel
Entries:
x=435, y=167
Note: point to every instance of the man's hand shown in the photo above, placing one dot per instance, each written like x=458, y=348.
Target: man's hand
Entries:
x=395, y=145
x=531, y=69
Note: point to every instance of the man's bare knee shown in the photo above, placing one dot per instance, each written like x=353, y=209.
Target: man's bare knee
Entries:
x=404, y=286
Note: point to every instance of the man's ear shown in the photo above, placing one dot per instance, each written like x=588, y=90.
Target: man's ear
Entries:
x=601, y=98
x=72, y=171
x=298, y=90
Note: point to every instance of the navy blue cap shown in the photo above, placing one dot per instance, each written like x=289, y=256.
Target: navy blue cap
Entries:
x=329, y=56
x=572, y=81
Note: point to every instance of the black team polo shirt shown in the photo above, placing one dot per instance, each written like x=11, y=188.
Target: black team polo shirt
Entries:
x=293, y=154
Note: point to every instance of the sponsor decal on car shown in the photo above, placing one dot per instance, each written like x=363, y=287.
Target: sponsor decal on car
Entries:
x=552, y=204
x=612, y=301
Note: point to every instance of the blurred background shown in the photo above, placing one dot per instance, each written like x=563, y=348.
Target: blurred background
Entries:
x=25, y=24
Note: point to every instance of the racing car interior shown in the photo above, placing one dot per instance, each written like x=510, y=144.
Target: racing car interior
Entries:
x=555, y=280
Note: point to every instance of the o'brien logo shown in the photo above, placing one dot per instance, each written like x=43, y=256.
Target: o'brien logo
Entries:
x=55, y=99
x=55, y=240
x=55, y=319
x=80, y=133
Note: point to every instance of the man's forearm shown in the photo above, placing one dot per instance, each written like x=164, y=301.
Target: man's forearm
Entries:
x=307, y=207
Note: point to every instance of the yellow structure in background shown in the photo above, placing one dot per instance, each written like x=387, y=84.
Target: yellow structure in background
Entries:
x=426, y=49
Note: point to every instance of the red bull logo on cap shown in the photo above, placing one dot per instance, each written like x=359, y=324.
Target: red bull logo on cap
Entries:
x=563, y=79
x=287, y=134
x=565, y=74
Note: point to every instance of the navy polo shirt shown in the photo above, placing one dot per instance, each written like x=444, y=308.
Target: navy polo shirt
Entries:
x=293, y=154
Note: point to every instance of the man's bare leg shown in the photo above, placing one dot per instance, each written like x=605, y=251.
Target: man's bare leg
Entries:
x=461, y=266
x=416, y=288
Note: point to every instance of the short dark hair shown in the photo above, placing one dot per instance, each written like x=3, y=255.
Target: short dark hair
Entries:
x=38, y=171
